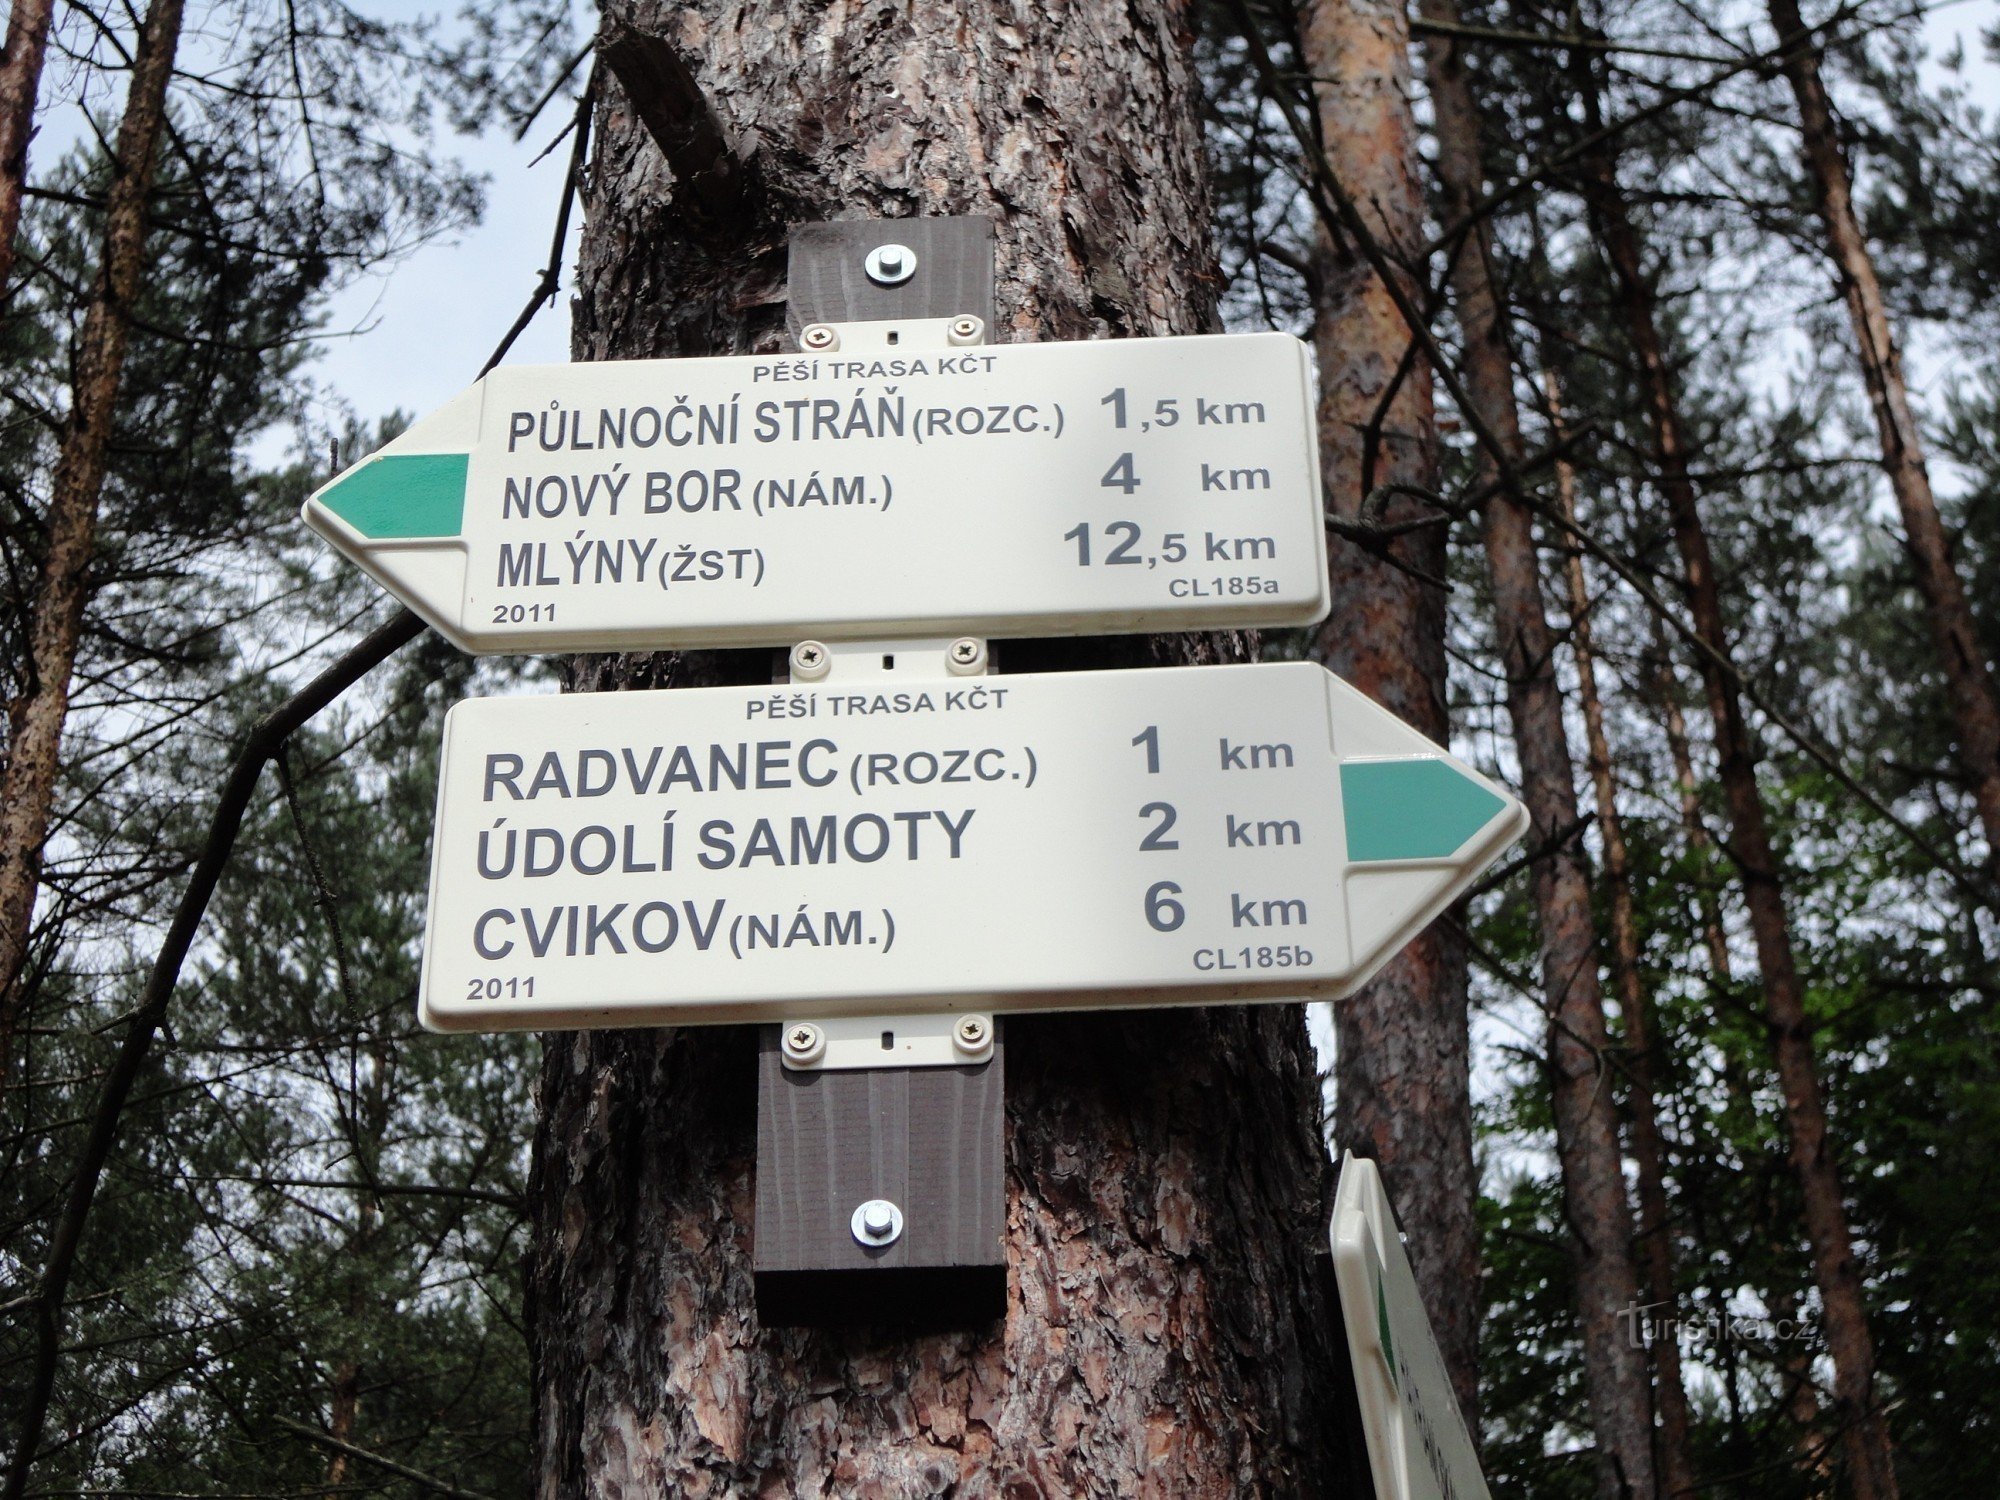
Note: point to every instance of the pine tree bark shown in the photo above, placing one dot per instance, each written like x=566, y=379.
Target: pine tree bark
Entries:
x=1402, y=1079
x=1667, y=688
x=1653, y=1236
x=1865, y=1431
x=1578, y=1042
x=35, y=718
x=1167, y=1327
x=1794, y=1357
x=1968, y=676
x=20, y=82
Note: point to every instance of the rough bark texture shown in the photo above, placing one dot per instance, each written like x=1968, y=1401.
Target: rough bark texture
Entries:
x=1402, y=1085
x=1653, y=1237
x=1864, y=1428
x=35, y=718
x=20, y=81
x=1586, y=1121
x=1969, y=687
x=1168, y=1329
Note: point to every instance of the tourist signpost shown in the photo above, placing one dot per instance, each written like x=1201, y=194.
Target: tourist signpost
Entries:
x=891, y=846
x=874, y=490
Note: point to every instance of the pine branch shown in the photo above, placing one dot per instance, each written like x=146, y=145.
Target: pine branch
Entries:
x=370, y=1456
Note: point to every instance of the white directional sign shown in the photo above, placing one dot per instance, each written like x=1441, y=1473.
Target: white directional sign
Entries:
x=1017, y=489
x=1418, y=1447
x=1048, y=841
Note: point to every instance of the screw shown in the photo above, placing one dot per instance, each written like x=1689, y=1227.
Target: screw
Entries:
x=966, y=330
x=890, y=265
x=972, y=1031
x=811, y=661
x=804, y=1042
x=965, y=657
x=877, y=1222
x=819, y=338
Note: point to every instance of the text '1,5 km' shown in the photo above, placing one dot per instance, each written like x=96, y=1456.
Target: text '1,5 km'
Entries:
x=1025, y=489
x=1221, y=833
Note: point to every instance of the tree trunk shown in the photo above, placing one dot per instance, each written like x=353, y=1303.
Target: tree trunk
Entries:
x=1402, y=1082
x=1167, y=1326
x=1653, y=1241
x=1969, y=687
x=1801, y=1393
x=1865, y=1429
x=1586, y=1121
x=35, y=718
x=366, y=1121
x=1794, y=1356
x=20, y=81
x=1714, y=935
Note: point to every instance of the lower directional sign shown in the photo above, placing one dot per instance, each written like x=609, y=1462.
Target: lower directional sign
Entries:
x=1418, y=1448
x=1056, y=841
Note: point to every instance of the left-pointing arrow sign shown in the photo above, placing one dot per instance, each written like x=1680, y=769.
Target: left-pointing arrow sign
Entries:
x=1023, y=489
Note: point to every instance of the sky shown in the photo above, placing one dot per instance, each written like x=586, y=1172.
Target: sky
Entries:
x=419, y=334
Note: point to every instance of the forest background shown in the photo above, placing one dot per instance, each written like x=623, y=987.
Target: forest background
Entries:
x=301, y=1270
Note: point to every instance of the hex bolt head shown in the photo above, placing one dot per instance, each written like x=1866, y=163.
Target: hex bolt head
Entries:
x=890, y=265
x=811, y=661
x=966, y=329
x=804, y=1043
x=877, y=1222
x=819, y=338
x=965, y=657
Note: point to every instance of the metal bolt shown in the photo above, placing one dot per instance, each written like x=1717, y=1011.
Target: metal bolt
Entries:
x=877, y=1222
x=804, y=1042
x=972, y=1038
x=965, y=657
x=811, y=661
x=819, y=338
x=890, y=265
x=966, y=330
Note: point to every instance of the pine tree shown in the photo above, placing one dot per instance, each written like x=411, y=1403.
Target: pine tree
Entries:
x=36, y=717
x=1129, y=1257
x=1578, y=1039
x=1402, y=1090
x=20, y=79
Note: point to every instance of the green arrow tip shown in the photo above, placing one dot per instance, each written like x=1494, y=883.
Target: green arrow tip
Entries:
x=402, y=495
x=1411, y=809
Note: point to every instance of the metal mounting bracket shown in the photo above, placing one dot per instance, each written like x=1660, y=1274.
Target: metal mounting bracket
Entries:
x=962, y=331
x=847, y=1042
x=880, y=1180
x=841, y=662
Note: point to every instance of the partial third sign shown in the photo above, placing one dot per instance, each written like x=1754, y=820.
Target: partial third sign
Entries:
x=1013, y=489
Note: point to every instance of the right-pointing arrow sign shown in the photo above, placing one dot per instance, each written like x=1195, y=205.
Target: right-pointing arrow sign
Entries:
x=904, y=841
x=1412, y=809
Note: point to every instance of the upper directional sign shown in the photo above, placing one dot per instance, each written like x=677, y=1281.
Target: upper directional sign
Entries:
x=1193, y=834
x=1018, y=489
x=1418, y=1447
